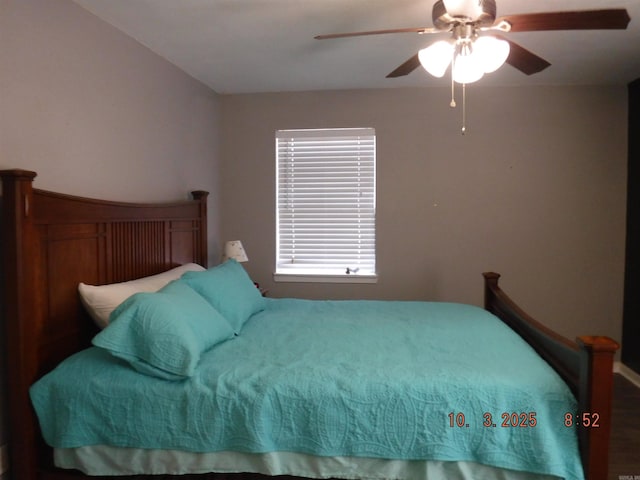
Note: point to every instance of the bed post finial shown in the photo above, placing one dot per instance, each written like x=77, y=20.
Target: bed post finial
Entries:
x=490, y=285
x=491, y=277
x=16, y=188
x=18, y=173
x=200, y=194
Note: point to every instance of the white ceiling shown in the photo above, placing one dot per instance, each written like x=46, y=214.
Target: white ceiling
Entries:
x=243, y=46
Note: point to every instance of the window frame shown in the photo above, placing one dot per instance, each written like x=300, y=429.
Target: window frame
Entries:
x=325, y=274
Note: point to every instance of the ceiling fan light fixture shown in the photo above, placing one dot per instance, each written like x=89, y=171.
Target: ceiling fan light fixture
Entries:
x=436, y=57
x=472, y=54
x=492, y=52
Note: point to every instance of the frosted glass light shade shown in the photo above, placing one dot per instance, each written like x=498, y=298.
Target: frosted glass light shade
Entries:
x=492, y=52
x=467, y=68
x=436, y=57
x=463, y=8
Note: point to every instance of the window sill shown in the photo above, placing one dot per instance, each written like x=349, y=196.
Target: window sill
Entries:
x=307, y=278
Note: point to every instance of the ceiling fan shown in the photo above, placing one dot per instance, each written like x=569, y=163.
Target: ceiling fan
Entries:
x=477, y=44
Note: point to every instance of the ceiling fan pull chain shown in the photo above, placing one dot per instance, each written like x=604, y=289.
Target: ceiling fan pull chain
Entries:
x=453, y=100
x=464, y=108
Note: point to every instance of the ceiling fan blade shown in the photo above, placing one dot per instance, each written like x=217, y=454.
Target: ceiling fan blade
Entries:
x=378, y=32
x=524, y=60
x=406, y=68
x=610, y=19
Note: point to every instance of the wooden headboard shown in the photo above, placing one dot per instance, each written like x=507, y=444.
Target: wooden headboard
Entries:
x=50, y=243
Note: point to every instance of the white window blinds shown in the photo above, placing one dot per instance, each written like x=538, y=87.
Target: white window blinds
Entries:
x=326, y=201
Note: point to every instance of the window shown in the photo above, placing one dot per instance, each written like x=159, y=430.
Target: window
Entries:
x=326, y=197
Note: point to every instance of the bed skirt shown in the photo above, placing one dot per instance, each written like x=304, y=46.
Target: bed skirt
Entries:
x=117, y=461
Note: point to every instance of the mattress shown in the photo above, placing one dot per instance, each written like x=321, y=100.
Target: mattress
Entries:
x=406, y=381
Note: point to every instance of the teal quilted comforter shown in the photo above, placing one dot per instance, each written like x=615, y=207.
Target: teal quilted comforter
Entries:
x=397, y=380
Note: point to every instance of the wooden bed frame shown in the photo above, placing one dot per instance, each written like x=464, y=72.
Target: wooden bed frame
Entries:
x=51, y=242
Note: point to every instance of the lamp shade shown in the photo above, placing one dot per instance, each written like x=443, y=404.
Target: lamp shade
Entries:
x=234, y=249
x=436, y=57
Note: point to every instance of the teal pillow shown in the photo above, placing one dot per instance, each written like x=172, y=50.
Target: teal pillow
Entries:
x=230, y=290
x=164, y=333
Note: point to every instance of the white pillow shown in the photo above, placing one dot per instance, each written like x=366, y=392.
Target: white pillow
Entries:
x=101, y=300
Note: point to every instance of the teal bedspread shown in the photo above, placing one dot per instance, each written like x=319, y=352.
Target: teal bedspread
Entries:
x=333, y=378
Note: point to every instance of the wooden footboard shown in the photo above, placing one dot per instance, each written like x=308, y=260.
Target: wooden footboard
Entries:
x=52, y=241
x=586, y=365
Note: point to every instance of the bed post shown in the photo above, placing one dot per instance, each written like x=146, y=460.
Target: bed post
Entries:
x=201, y=196
x=595, y=398
x=20, y=316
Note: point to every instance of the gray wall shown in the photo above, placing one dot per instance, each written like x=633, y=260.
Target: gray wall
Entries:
x=535, y=191
x=94, y=113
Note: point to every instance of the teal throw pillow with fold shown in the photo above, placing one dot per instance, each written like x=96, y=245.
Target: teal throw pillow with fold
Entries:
x=230, y=290
x=163, y=334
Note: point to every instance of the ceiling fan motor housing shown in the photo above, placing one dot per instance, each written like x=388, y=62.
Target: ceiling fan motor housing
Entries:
x=443, y=20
